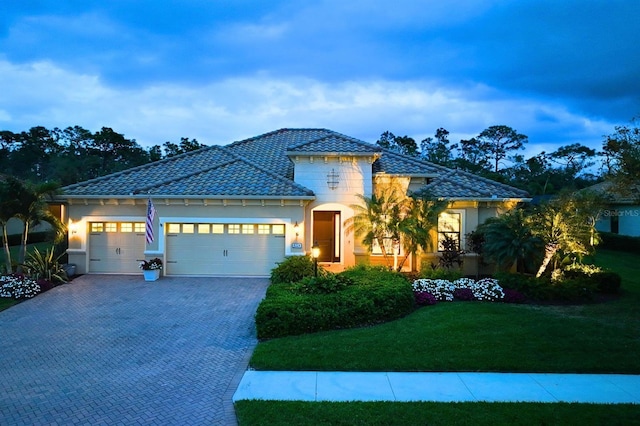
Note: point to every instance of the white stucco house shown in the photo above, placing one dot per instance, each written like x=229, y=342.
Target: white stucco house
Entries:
x=239, y=209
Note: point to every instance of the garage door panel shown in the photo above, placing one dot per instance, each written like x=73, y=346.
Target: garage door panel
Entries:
x=223, y=253
x=115, y=251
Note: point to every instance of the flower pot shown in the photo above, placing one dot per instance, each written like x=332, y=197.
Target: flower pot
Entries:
x=151, y=275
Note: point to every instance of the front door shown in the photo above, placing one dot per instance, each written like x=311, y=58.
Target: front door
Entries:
x=326, y=233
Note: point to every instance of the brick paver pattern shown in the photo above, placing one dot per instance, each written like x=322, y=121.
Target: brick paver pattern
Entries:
x=116, y=350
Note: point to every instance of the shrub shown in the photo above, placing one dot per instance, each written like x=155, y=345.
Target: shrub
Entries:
x=463, y=294
x=424, y=298
x=372, y=295
x=293, y=269
x=513, y=296
x=544, y=290
x=45, y=265
x=18, y=286
x=327, y=283
x=45, y=285
x=619, y=242
x=607, y=282
x=434, y=272
x=440, y=289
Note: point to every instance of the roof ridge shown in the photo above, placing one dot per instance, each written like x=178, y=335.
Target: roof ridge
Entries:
x=142, y=166
x=269, y=172
x=187, y=176
x=416, y=160
x=494, y=182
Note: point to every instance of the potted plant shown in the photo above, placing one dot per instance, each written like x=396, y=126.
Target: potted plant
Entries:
x=151, y=269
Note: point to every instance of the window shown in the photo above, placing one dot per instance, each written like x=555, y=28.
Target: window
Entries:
x=217, y=228
x=97, y=227
x=139, y=227
x=203, y=228
x=126, y=227
x=111, y=227
x=277, y=229
x=264, y=229
x=234, y=228
x=388, y=247
x=449, y=225
x=173, y=228
x=247, y=229
x=188, y=228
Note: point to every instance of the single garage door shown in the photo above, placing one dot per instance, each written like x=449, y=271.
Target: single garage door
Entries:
x=116, y=247
x=223, y=249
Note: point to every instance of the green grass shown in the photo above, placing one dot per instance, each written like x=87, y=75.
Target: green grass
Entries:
x=421, y=413
x=472, y=336
x=599, y=337
x=6, y=303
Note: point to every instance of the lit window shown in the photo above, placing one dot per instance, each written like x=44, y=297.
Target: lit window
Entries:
x=188, y=228
x=203, y=228
x=173, y=228
x=97, y=227
x=234, y=229
x=126, y=227
x=449, y=226
x=111, y=227
x=277, y=229
x=247, y=229
x=264, y=229
x=217, y=228
x=139, y=227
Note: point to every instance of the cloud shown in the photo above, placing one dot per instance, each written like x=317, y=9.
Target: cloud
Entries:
x=218, y=112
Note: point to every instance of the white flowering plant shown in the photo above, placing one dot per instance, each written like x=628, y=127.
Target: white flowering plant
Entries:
x=151, y=265
x=17, y=286
x=486, y=289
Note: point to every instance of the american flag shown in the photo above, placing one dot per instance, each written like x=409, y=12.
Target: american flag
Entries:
x=151, y=213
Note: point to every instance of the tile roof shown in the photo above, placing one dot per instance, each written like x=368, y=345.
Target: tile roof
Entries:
x=616, y=194
x=260, y=167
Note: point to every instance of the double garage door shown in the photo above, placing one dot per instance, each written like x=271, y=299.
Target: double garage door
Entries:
x=223, y=249
x=190, y=248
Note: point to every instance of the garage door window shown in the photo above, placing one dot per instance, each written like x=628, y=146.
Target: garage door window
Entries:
x=203, y=228
x=234, y=229
x=188, y=228
x=278, y=229
x=264, y=229
x=97, y=227
x=247, y=229
x=217, y=228
x=111, y=227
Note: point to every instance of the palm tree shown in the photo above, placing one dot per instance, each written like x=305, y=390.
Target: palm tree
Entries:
x=566, y=224
x=376, y=218
x=415, y=228
x=32, y=209
x=509, y=240
x=9, y=186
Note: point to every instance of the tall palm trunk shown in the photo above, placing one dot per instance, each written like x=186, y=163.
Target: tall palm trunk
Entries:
x=549, y=251
x=7, y=252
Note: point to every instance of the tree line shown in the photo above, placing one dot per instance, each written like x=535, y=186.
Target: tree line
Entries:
x=75, y=154
x=494, y=153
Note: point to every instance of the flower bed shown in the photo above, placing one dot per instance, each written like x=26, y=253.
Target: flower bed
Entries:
x=428, y=291
x=18, y=287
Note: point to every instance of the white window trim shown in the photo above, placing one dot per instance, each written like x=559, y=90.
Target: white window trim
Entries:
x=463, y=232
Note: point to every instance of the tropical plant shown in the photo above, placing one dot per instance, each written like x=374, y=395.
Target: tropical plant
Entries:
x=508, y=240
x=151, y=265
x=566, y=224
x=31, y=208
x=45, y=265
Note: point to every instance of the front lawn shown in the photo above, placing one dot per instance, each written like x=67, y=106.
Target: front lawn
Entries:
x=477, y=336
x=471, y=336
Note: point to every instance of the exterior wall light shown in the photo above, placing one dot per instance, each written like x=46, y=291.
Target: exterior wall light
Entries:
x=333, y=179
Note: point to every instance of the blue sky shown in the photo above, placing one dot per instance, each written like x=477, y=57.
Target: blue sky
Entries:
x=560, y=71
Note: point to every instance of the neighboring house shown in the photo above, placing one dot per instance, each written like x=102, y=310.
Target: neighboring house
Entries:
x=622, y=214
x=240, y=208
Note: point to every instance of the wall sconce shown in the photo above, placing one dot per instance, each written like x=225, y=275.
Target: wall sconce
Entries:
x=73, y=227
x=333, y=179
x=315, y=253
x=296, y=228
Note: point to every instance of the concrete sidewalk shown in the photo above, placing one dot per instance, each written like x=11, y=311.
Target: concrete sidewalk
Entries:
x=438, y=387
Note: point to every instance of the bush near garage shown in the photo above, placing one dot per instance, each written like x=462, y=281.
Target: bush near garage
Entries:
x=293, y=269
x=356, y=297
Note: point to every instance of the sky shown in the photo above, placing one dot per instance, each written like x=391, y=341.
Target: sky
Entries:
x=558, y=71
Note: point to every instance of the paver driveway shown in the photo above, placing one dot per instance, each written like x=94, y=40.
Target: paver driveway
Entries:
x=118, y=350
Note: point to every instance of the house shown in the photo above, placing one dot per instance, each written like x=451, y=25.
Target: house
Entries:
x=622, y=213
x=238, y=209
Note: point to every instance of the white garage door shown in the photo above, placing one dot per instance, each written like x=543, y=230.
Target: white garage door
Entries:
x=116, y=247
x=223, y=249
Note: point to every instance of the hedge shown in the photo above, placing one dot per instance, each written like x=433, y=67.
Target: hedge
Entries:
x=375, y=296
x=619, y=242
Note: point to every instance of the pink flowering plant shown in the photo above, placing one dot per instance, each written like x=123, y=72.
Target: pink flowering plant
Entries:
x=151, y=265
